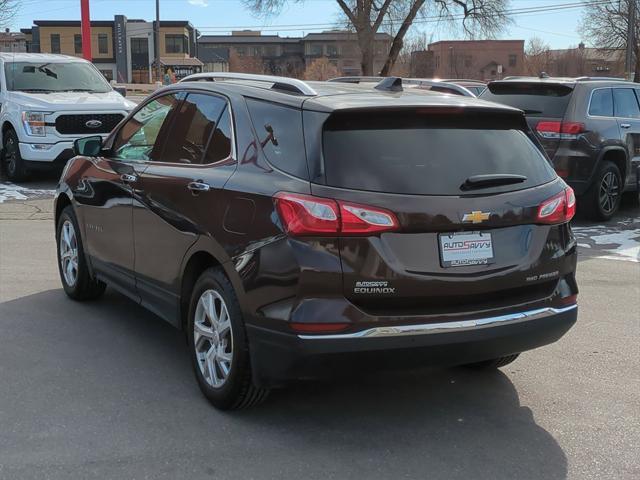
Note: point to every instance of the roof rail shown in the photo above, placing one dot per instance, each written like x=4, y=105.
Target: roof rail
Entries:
x=602, y=79
x=292, y=85
x=356, y=79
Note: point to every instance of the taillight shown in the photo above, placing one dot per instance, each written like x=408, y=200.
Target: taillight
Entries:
x=560, y=208
x=309, y=215
x=560, y=130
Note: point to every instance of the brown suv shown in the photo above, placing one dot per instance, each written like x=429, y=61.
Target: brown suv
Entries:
x=297, y=229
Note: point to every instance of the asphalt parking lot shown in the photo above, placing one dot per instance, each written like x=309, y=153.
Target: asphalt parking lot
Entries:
x=105, y=389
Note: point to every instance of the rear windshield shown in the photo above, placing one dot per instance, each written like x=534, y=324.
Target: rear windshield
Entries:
x=423, y=154
x=537, y=100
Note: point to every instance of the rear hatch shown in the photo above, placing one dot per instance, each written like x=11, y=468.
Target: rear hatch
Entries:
x=458, y=241
x=544, y=103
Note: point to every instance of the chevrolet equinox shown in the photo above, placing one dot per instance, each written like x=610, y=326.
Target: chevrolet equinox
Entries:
x=294, y=230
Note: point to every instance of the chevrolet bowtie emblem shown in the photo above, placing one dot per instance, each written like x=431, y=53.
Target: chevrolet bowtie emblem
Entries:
x=476, y=217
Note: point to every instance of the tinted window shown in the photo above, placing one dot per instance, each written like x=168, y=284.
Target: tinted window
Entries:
x=190, y=132
x=537, y=100
x=279, y=130
x=626, y=104
x=601, y=103
x=136, y=140
x=220, y=144
x=422, y=154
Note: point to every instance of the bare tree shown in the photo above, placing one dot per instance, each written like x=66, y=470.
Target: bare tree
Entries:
x=607, y=24
x=368, y=17
x=8, y=9
x=537, y=56
x=321, y=69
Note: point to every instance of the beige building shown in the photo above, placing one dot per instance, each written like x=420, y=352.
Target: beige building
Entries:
x=122, y=49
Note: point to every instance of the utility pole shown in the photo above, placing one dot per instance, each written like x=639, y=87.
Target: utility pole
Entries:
x=631, y=23
x=156, y=43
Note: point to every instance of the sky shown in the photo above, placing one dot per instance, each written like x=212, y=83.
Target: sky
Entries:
x=558, y=28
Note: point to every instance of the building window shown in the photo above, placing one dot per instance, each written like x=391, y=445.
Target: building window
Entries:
x=255, y=51
x=437, y=61
x=103, y=43
x=315, y=49
x=241, y=51
x=332, y=50
x=513, y=60
x=55, y=43
x=77, y=43
x=271, y=51
x=176, y=44
x=108, y=74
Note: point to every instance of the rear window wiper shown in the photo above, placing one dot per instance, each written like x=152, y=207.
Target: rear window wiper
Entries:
x=491, y=180
x=532, y=112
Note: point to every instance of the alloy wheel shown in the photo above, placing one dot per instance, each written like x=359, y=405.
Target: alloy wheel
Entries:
x=69, y=253
x=609, y=191
x=213, y=338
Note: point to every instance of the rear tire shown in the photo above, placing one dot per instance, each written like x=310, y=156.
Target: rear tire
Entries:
x=493, y=363
x=72, y=263
x=12, y=162
x=602, y=200
x=218, y=344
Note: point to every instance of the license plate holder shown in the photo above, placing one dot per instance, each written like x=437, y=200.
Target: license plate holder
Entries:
x=465, y=249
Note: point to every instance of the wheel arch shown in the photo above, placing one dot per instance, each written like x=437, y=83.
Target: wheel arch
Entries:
x=61, y=202
x=196, y=264
x=6, y=126
x=618, y=156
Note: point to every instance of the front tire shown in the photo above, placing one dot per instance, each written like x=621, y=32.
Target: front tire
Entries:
x=218, y=344
x=72, y=264
x=12, y=161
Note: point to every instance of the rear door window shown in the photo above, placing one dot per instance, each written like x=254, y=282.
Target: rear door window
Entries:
x=626, y=103
x=193, y=127
x=601, y=103
x=536, y=99
x=425, y=154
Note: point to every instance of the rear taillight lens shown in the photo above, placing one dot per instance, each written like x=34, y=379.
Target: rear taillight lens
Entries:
x=560, y=130
x=560, y=208
x=309, y=215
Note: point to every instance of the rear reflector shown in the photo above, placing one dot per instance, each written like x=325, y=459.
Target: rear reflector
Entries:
x=309, y=215
x=560, y=208
x=318, y=327
x=560, y=130
x=570, y=300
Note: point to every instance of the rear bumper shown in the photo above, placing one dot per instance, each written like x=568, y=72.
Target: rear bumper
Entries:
x=278, y=357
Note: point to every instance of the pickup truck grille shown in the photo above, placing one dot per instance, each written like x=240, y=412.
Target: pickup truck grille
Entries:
x=75, y=124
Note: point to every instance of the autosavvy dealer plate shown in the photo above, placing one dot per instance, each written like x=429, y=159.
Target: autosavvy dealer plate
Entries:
x=467, y=248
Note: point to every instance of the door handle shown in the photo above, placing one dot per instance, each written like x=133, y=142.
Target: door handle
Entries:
x=128, y=178
x=625, y=125
x=199, y=187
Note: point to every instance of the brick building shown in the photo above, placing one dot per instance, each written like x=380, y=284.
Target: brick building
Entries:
x=250, y=51
x=474, y=59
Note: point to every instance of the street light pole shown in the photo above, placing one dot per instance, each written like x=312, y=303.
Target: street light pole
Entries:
x=156, y=42
x=631, y=23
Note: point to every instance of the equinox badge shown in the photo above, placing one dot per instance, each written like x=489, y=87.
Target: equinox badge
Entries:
x=476, y=216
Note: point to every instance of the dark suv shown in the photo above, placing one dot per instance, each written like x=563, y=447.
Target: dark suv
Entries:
x=297, y=229
x=589, y=127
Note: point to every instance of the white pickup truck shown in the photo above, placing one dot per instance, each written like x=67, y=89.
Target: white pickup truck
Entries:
x=48, y=101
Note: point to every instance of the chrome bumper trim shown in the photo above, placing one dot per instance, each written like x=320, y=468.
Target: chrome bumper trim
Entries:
x=444, y=327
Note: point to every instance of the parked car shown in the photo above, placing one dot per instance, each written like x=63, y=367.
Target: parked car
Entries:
x=295, y=230
x=589, y=127
x=422, y=83
x=48, y=101
x=474, y=86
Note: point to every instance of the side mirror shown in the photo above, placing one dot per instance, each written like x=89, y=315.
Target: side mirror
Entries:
x=88, y=146
x=121, y=90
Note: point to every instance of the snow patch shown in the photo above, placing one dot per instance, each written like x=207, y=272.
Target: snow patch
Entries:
x=10, y=191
